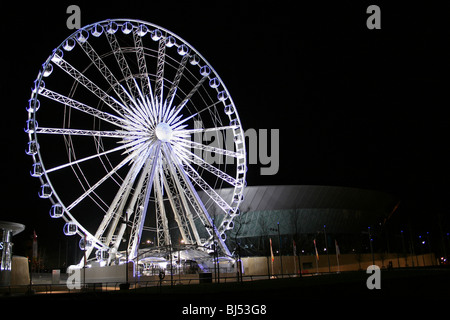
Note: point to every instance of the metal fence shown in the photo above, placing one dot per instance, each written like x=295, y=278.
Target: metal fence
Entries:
x=152, y=285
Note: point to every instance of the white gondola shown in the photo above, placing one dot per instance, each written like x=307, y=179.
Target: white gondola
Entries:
x=56, y=211
x=57, y=56
x=205, y=71
x=238, y=138
x=222, y=96
x=112, y=27
x=37, y=170
x=39, y=86
x=85, y=243
x=214, y=83
x=33, y=107
x=170, y=41
x=241, y=169
x=156, y=35
x=33, y=148
x=69, y=44
x=47, y=70
x=70, y=228
x=97, y=30
x=127, y=28
x=230, y=225
x=234, y=123
x=229, y=110
x=82, y=36
x=142, y=30
x=194, y=60
x=183, y=50
x=102, y=255
x=46, y=191
x=31, y=126
x=241, y=183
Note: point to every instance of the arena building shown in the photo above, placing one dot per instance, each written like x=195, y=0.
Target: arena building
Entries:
x=313, y=229
x=303, y=213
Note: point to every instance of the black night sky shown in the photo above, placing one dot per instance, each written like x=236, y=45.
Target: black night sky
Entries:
x=355, y=107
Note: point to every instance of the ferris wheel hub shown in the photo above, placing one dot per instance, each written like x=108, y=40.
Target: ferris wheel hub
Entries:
x=163, y=132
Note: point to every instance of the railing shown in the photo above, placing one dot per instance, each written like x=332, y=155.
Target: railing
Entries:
x=142, y=285
x=145, y=285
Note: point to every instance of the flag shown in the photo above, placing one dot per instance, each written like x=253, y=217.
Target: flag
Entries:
x=271, y=251
x=338, y=252
x=315, y=247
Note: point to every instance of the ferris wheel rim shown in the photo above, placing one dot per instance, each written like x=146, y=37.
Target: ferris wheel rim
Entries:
x=37, y=158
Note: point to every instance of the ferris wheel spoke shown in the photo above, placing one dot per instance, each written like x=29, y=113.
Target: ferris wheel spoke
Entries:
x=115, y=105
x=74, y=104
x=180, y=206
x=122, y=62
x=174, y=86
x=142, y=65
x=142, y=103
x=106, y=177
x=204, y=130
x=196, y=145
x=111, y=218
x=186, y=188
x=160, y=73
x=178, y=124
x=162, y=224
x=136, y=194
x=142, y=206
x=195, y=177
x=188, y=157
x=129, y=145
x=81, y=132
x=106, y=72
x=137, y=118
x=184, y=174
x=188, y=97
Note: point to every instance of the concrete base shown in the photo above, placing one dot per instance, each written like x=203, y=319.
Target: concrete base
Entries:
x=106, y=274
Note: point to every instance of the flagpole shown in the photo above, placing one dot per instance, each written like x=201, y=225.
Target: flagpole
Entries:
x=271, y=256
x=339, y=268
x=338, y=253
x=317, y=257
x=295, y=254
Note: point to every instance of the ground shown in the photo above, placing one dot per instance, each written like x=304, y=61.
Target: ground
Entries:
x=397, y=284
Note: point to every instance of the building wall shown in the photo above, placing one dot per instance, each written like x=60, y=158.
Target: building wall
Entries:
x=20, y=274
x=347, y=262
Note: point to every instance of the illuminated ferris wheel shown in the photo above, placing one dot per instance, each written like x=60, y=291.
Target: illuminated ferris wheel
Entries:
x=132, y=132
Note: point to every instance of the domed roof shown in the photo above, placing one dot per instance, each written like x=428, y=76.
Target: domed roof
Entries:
x=306, y=209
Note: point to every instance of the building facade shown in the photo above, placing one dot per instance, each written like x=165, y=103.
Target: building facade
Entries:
x=7, y=231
